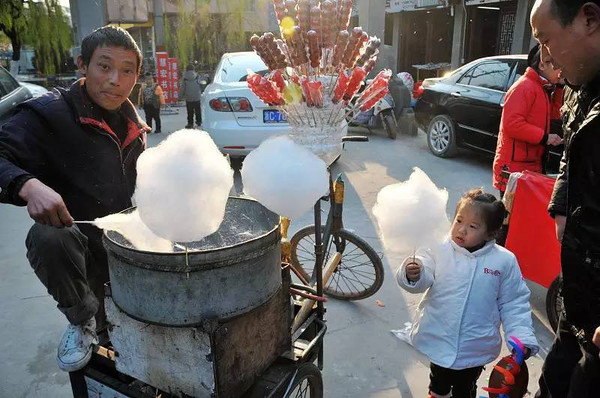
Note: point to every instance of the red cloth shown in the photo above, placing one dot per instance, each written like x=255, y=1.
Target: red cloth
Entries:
x=525, y=120
x=557, y=102
x=531, y=232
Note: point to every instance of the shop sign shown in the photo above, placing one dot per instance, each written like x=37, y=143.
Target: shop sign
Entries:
x=162, y=70
x=401, y=5
x=173, y=80
x=431, y=3
x=478, y=2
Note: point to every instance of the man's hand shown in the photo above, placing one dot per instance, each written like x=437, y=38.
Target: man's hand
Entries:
x=560, y=222
x=44, y=205
x=596, y=338
x=413, y=270
x=554, y=140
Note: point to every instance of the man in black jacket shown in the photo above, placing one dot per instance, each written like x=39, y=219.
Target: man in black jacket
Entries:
x=70, y=155
x=569, y=33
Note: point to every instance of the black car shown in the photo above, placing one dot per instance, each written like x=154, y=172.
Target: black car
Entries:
x=464, y=108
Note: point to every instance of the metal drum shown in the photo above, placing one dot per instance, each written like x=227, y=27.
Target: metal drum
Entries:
x=226, y=274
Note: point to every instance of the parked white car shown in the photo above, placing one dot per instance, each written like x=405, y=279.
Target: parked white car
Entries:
x=236, y=119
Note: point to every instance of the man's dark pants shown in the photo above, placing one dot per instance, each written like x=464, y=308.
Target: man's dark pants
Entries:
x=152, y=113
x=572, y=367
x=193, y=107
x=62, y=260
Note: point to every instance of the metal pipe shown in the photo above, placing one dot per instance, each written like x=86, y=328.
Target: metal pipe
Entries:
x=319, y=270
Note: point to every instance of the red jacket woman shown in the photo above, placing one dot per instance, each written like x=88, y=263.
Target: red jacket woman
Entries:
x=525, y=126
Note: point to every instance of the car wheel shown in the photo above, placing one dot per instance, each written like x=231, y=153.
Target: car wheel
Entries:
x=441, y=136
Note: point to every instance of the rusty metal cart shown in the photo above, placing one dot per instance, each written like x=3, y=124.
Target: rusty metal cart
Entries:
x=213, y=319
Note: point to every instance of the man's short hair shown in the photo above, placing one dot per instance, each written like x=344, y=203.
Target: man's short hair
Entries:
x=566, y=10
x=109, y=36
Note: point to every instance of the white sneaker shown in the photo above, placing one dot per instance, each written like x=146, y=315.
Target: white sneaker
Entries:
x=76, y=344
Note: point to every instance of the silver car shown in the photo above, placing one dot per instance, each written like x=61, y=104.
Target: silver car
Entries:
x=11, y=95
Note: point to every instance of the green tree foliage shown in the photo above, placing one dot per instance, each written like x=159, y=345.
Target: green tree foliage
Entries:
x=13, y=24
x=200, y=34
x=41, y=24
x=49, y=34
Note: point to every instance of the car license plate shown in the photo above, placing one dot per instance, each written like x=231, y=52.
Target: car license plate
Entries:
x=273, y=116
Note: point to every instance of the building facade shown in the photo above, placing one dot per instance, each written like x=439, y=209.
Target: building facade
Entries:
x=429, y=37
x=144, y=19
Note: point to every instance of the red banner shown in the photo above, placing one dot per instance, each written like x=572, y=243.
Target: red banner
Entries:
x=531, y=233
x=162, y=70
x=173, y=80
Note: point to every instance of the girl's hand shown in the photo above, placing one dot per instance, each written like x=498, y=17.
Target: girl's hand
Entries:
x=413, y=270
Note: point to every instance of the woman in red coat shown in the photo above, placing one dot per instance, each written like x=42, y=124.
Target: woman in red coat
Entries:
x=529, y=106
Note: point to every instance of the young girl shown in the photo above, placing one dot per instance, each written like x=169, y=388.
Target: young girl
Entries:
x=473, y=286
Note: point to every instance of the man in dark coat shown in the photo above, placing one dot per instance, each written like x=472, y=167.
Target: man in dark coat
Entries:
x=191, y=90
x=569, y=34
x=70, y=155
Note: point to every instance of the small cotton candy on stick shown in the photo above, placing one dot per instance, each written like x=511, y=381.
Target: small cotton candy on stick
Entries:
x=411, y=214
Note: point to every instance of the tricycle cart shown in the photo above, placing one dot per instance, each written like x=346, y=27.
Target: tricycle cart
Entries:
x=213, y=319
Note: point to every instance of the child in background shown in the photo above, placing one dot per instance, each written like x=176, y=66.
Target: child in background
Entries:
x=473, y=286
x=151, y=98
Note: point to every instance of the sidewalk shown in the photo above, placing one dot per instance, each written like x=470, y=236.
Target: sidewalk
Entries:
x=172, y=119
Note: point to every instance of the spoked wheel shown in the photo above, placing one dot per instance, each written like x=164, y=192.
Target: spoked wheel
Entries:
x=360, y=272
x=308, y=382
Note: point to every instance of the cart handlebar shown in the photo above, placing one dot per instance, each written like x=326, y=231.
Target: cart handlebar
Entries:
x=355, y=138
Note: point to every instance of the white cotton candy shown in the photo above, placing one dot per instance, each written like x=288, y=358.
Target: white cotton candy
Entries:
x=132, y=228
x=411, y=214
x=284, y=177
x=182, y=186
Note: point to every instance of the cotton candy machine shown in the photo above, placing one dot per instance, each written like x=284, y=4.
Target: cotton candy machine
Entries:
x=207, y=319
x=224, y=275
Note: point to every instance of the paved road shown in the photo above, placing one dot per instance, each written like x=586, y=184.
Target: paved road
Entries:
x=362, y=357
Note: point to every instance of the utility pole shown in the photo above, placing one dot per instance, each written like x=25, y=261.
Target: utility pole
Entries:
x=159, y=26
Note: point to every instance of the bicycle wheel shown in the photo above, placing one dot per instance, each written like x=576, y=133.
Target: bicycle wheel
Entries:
x=360, y=272
x=308, y=382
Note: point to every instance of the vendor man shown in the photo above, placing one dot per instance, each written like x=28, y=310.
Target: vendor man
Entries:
x=70, y=155
x=569, y=34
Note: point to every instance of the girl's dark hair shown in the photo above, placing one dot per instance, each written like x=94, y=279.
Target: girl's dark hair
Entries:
x=493, y=210
x=534, y=58
x=109, y=36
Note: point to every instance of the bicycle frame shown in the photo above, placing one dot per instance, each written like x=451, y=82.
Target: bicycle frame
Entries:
x=334, y=218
